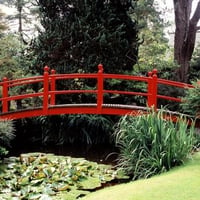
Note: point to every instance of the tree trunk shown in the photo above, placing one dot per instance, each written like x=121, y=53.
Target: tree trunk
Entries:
x=20, y=4
x=185, y=36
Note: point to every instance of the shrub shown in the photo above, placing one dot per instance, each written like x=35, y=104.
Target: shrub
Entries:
x=191, y=101
x=149, y=144
x=6, y=135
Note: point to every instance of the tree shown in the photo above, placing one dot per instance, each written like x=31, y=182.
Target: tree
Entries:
x=25, y=17
x=154, y=44
x=3, y=26
x=80, y=34
x=13, y=61
x=185, y=35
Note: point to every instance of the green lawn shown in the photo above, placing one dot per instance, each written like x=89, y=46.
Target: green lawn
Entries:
x=181, y=183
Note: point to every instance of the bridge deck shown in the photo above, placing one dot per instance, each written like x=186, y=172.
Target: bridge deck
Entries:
x=91, y=108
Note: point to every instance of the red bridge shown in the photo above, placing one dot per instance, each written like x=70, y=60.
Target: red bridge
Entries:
x=47, y=94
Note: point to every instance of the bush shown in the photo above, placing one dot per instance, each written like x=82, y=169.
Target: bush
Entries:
x=149, y=144
x=191, y=101
x=6, y=135
x=194, y=72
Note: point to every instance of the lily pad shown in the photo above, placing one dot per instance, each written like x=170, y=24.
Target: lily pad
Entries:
x=46, y=176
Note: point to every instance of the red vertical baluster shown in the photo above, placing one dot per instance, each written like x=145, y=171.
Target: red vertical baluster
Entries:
x=53, y=87
x=46, y=90
x=149, y=90
x=100, y=88
x=5, y=95
x=152, y=89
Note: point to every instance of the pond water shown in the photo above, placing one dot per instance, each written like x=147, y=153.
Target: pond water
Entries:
x=106, y=154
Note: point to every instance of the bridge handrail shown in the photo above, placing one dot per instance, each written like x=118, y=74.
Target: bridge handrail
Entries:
x=174, y=83
x=126, y=77
x=72, y=76
x=22, y=96
x=48, y=91
x=22, y=81
x=126, y=92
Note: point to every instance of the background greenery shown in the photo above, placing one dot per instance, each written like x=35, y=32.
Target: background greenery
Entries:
x=7, y=130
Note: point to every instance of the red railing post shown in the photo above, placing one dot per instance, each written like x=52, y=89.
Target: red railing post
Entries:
x=100, y=88
x=46, y=90
x=152, y=89
x=53, y=87
x=5, y=95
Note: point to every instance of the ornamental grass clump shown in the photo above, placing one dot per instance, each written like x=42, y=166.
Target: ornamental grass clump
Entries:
x=150, y=144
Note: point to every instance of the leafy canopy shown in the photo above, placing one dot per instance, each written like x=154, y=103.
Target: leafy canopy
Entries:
x=81, y=34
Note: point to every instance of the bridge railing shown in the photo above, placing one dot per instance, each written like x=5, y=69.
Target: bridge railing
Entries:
x=48, y=91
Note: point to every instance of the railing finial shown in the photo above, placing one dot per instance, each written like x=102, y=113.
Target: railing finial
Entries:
x=154, y=71
x=53, y=71
x=46, y=69
x=149, y=74
x=100, y=68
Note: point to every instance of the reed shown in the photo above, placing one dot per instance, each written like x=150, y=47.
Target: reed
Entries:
x=149, y=144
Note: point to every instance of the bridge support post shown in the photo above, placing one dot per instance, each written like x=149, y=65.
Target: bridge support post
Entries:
x=100, y=89
x=5, y=95
x=53, y=87
x=46, y=90
x=152, y=89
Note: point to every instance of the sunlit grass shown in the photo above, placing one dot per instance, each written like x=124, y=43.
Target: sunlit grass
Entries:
x=181, y=183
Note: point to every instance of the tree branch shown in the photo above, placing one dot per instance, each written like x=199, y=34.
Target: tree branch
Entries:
x=196, y=16
x=198, y=28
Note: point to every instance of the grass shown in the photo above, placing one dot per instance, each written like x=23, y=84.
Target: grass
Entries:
x=180, y=183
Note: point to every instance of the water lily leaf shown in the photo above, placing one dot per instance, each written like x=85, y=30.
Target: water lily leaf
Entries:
x=45, y=197
x=74, y=178
x=6, y=190
x=36, y=182
x=23, y=181
x=72, y=195
x=31, y=159
x=41, y=176
x=90, y=184
x=64, y=188
x=34, y=196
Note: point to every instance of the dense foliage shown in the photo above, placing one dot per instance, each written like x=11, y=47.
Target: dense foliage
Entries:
x=149, y=144
x=14, y=62
x=191, y=101
x=194, y=65
x=6, y=135
x=151, y=34
x=81, y=34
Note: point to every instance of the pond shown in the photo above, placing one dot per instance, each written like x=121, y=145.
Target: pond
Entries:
x=101, y=153
x=52, y=176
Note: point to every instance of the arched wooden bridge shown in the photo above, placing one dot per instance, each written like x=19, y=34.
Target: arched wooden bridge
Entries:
x=48, y=92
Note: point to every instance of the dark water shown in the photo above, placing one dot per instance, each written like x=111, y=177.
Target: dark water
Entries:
x=106, y=154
